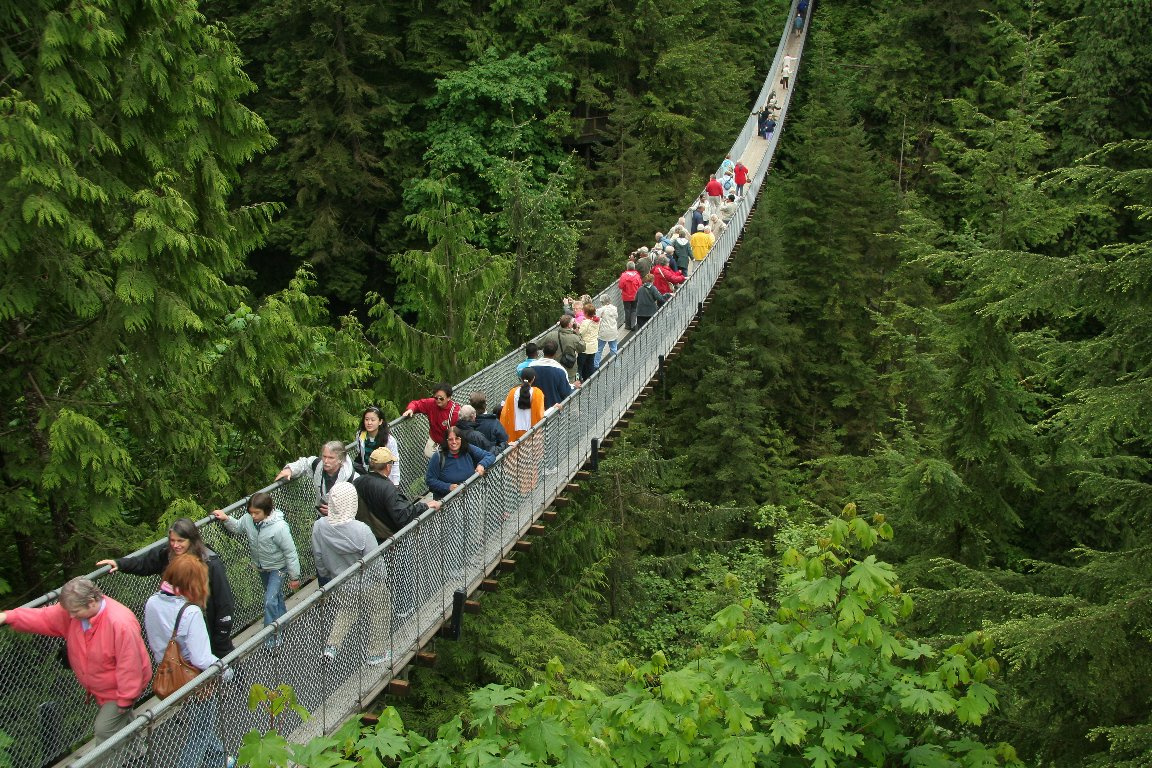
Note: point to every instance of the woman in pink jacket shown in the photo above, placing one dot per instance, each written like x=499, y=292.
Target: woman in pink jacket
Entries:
x=105, y=648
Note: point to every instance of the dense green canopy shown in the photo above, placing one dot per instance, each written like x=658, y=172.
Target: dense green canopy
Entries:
x=224, y=226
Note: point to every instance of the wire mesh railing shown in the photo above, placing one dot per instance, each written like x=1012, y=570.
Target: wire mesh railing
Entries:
x=380, y=612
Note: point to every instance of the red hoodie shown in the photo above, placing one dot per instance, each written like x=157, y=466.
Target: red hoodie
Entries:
x=714, y=188
x=629, y=282
x=109, y=659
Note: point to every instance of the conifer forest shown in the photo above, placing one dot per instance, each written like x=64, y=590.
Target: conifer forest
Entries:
x=915, y=422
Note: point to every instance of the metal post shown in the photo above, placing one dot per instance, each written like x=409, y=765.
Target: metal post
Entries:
x=594, y=462
x=454, y=629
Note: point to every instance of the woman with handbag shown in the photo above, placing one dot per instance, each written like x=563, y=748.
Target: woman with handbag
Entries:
x=184, y=536
x=178, y=640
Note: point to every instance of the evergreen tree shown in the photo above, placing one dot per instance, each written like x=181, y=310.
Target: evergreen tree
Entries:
x=329, y=94
x=830, y=201
x=538, y=225
x=120, y=143
x=457, y=293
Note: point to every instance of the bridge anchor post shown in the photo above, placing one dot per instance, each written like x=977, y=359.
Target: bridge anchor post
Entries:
x=454, y=629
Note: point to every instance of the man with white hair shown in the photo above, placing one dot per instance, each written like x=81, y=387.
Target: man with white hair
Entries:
x=329, y=468
x=467, y=423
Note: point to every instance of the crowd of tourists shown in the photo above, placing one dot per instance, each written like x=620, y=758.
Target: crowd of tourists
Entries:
x=358, y=497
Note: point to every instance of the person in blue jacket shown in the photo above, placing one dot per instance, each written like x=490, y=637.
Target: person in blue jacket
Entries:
x=456, y=462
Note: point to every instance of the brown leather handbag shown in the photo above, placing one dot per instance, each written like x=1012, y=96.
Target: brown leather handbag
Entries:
x=173, y=673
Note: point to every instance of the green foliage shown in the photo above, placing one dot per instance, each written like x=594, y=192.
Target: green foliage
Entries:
x=122, y=137
x=329, y=96
x=495, y=109
x=828, y=682
x=457, y=292
x=137, y=373
x=537, y=220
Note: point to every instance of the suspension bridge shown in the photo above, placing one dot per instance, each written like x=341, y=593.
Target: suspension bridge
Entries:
x=437, y=563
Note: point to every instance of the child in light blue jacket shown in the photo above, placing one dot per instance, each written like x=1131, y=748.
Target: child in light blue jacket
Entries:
x=272, y=548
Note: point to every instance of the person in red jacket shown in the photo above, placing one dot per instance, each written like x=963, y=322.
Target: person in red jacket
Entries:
x=715, y=192
x=442, y=413
x=740, y=176
x=105, y=648
x=629, y=282
x=664, y=277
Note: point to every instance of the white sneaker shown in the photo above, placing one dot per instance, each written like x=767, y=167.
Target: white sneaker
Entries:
x=329, y=652
x=375, y=661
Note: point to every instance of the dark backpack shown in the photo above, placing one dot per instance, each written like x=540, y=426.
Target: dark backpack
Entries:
x=566, y=359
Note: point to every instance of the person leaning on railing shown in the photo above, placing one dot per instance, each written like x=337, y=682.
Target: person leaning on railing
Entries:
x=273, y=553
x=455, y=463
x=441, y=411
x=386, y=510
x=105, y=648
x=329, y=468
x=383, y=506
x=184, y=536
x=181, y=597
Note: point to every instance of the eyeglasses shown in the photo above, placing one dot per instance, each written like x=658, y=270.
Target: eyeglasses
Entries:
x=440, y=398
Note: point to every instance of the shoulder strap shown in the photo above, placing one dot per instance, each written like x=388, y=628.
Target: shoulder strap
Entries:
x=179, y=615
x=315, y=463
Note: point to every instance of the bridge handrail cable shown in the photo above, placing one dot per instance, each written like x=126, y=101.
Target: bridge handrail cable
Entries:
x=397, y=598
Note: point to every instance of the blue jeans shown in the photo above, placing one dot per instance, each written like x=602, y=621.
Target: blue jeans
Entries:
x=204, y=747
x=274, y=606
x=600, y=344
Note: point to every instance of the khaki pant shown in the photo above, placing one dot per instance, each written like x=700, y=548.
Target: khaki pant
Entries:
x=109, y=720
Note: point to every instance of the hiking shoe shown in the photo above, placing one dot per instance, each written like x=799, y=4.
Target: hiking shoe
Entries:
x=375, y=661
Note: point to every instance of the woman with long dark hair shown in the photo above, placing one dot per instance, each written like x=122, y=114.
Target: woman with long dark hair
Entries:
x=372, y=434
x=523, y=407
x=184, y=537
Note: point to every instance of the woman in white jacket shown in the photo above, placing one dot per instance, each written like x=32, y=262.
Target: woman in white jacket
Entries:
x=609, y=329
x=181, y=598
